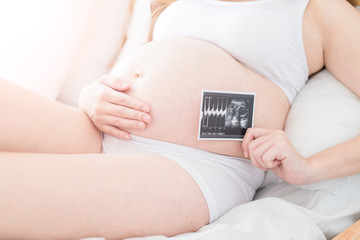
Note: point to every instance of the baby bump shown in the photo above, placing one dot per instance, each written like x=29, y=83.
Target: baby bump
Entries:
x=171, y=74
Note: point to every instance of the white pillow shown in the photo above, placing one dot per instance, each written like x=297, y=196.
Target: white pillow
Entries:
x=324, y=113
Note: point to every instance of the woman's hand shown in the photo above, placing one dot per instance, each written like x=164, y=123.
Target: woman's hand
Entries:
x=111, y=110
x=271, y=149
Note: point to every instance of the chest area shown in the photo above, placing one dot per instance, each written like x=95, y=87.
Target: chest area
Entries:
x=247, y=30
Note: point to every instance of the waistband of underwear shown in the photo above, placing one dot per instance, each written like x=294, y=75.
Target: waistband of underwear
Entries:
x=178, y=148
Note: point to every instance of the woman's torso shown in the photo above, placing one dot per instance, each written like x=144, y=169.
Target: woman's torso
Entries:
x=170, y=74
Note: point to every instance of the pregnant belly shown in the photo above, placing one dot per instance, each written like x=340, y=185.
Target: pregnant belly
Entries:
x=170, y=75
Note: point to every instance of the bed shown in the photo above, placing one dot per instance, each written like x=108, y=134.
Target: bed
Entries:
x=279, y=210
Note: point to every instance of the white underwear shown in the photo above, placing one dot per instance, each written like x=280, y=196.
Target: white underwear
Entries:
x=224, y=181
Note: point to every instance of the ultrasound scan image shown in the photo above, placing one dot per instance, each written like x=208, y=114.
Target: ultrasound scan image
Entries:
x=225, y=115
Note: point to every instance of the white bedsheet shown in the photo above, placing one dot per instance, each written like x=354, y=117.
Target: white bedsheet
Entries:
x=257, y=220
x=284, y=212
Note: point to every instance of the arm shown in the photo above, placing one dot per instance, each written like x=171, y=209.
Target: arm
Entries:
x=270, y=149
x=341, y=38
x=339, y=161
x=340, y=23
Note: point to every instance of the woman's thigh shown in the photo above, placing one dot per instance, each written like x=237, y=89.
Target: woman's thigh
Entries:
x=48, y=196
x=32, y=123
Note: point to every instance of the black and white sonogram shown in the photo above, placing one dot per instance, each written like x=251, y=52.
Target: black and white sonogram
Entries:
x=225, y=115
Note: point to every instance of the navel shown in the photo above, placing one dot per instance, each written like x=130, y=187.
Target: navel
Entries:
x=138, y=74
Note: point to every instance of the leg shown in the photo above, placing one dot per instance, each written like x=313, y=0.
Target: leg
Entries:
x=47, y=196
x=32, y=123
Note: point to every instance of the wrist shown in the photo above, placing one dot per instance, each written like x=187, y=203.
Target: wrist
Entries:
x=312, y=170
x=318, y=169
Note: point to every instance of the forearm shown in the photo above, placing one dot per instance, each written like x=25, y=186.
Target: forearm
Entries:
x=338, y=161
x=271, y=149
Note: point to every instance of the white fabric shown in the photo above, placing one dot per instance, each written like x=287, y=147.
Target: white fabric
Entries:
x=265, y=35
x=270, y=219
x=236, y=179
x=324, y=114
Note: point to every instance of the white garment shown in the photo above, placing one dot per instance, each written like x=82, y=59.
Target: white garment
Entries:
x=224, y=181
x=264, y=35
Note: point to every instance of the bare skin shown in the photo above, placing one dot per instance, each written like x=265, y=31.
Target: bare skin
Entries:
x=72, y=195
x=75, y=196
x=43, y=125
x=200, y=66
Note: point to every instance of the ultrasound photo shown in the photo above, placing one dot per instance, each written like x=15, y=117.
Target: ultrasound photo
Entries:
x=225, y=115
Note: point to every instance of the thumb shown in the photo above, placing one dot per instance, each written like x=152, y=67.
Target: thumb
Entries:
x=250, y=135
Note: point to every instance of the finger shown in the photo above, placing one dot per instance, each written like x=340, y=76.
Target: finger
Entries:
x=259, y=147
x=253, y=145
x=116, y=132
x=120, y=98
x=128, y=113
x=273, y=157
x=276, y=163
x=123, y=123
x=257, y=142
x=256, y=163
x=114, y=83
x=252, y=148
x=250, y=135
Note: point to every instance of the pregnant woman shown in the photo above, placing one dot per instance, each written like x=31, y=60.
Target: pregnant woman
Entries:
x=163, y=180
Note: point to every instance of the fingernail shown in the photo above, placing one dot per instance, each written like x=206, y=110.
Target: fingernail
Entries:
x=146, y=119
x=126, y=136
x=140, y=125
x=145, y=108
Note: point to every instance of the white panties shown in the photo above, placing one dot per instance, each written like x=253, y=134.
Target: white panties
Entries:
x=225, y=181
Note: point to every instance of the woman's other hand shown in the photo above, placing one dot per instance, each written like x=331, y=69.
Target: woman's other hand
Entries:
x=111, y=110
x=271, y=149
